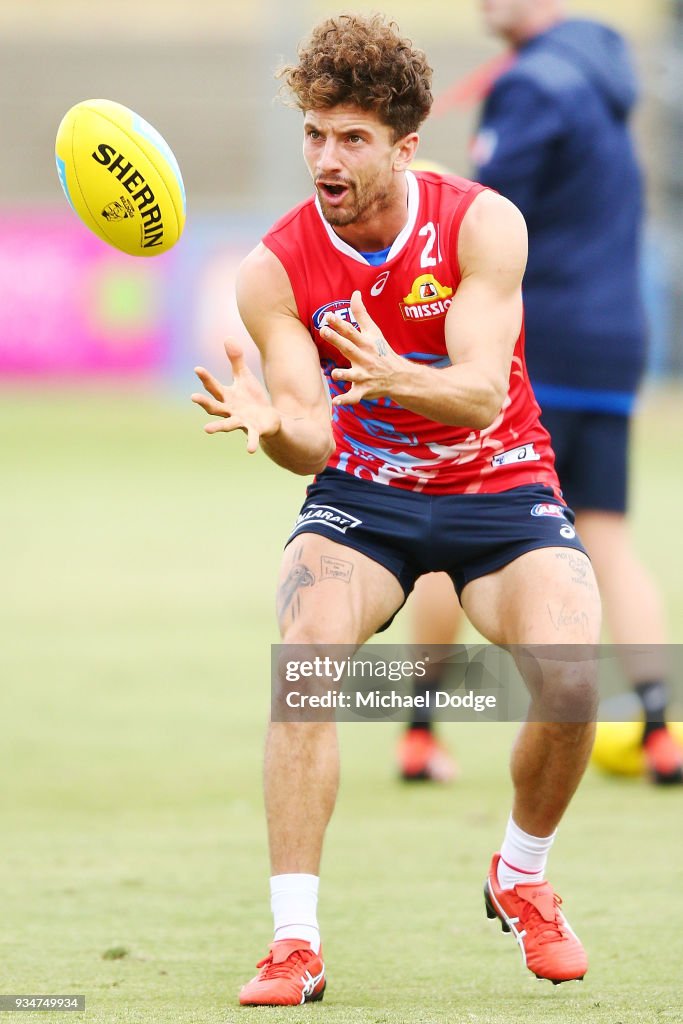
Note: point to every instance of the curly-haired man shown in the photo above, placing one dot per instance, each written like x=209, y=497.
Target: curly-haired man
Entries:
x=405, y=289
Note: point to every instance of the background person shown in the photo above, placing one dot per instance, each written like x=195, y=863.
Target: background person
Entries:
x=554, y=138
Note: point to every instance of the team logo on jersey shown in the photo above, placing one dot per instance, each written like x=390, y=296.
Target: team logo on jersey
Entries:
x=523, y=453
x=544, y=508
x=426, y=300
x=342, y=308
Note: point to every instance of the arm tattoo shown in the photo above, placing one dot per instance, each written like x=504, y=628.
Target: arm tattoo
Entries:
x=382, y=347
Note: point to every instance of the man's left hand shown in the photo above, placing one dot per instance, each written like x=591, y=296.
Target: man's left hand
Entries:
x=374, y=364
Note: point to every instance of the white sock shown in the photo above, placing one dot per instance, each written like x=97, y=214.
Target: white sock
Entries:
x=522, y=857
x=294, y=902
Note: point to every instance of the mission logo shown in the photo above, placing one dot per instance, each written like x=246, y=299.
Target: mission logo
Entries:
x=426, y=300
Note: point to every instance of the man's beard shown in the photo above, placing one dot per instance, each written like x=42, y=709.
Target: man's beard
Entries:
x=365, y=202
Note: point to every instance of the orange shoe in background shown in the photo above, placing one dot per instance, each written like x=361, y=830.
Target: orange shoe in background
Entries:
x=531, y=911
x=421, y=757
x=290, y=975
x=663, y=757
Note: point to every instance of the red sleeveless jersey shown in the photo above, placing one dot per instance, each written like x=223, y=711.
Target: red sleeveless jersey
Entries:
x=408, y=297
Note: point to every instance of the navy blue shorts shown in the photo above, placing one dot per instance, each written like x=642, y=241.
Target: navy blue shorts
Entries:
x=591, y=457
x=465, y=535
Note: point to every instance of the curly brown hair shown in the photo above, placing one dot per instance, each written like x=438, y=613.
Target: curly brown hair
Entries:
x=362, y=61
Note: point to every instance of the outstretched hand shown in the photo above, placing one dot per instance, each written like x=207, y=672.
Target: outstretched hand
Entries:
x=374, y=364
x=242, y=405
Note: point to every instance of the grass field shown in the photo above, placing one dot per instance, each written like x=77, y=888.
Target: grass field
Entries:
x=139, y=559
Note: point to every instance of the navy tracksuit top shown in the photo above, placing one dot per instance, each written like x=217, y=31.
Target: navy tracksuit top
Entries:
x=554, y=138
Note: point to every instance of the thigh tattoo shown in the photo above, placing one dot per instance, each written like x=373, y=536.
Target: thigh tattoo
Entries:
x=298, y=577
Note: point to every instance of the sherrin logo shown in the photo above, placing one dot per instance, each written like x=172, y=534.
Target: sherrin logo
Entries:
x=342, y=308
x=426, y=300
x=134, y=183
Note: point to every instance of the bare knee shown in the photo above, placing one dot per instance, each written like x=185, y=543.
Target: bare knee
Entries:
x=562, y=681
x=306, y=677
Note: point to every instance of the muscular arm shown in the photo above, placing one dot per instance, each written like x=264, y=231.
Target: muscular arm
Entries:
x=482, y=323
x=482, y=326
x=301, y=439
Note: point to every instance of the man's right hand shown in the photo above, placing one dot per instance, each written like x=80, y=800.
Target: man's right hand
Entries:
x=242, y=405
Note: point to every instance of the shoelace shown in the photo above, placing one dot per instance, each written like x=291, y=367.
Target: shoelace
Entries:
x=273, y=970
x=543, y=931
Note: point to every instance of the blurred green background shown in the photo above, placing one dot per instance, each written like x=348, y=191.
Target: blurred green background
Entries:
x=140, y=558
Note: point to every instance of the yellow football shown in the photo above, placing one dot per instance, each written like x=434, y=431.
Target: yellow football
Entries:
x=121, y=177
x=617, y=749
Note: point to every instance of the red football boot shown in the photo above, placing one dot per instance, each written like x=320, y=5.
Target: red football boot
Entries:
x=421, y=757
x=531, y=911
x=290, y=975
x=663, y=757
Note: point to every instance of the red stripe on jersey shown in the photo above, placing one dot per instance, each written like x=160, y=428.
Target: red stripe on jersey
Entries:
x=408, y=297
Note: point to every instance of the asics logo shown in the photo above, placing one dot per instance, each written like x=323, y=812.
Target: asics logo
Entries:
x=378, y=286
x=511, y=922
x=309, y=983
